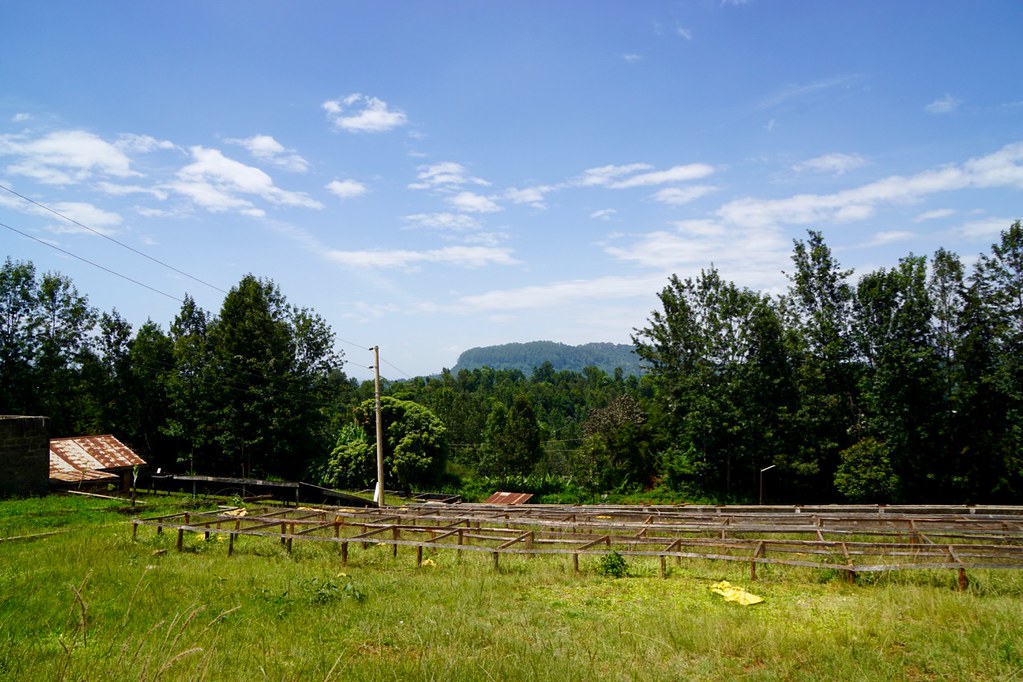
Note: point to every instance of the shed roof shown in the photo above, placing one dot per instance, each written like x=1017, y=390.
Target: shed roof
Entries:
x=89, y=458
x=508, y=498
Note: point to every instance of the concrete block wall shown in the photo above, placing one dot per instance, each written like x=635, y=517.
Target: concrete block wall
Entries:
x=24, y=455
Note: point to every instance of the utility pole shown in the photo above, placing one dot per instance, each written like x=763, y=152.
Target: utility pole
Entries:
x=379, y=495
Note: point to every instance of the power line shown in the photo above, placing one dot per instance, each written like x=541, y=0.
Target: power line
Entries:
x=95, y=265
x=109, y=238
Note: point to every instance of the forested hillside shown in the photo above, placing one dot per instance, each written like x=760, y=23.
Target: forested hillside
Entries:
x=525, y=357
x=904, y=384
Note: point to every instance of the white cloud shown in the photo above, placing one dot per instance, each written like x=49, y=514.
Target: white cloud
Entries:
x=266, y=148
x=119, y=190
x=141, y=144
x=603, y=214
x=445, y=175
x=677, y=196
x=65, y=157
x=470, y=202
x=999, y=169
x=632, y=57
x=21, y=118
x=943, y=105
x=347, y=189
x=684, y=32
x=629, y=175
x=888, y=237
x=836, y=163
x=444, y=221
x=215, y=182
x=533, y=196
x=692, y=171
x=803, y=90
x=604, y=175
x=559, y=294
x=358, y=113
x=934, y=215
x=91, y=216
x=465, y=256
x=988, y=228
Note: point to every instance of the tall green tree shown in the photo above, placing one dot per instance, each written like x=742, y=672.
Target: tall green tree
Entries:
x=511, y=439
x=902, y=396
x=414, y=445
x=716, y=353
x=19, y=343
x=818, y=310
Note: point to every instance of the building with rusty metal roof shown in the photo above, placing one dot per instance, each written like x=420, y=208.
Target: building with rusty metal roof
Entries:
x=91, y=460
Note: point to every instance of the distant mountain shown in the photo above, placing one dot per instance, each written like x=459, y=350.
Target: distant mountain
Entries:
x=526, y=356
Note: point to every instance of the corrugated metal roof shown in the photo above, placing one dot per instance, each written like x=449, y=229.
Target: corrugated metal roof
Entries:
x=89, y=458
x=508, y=498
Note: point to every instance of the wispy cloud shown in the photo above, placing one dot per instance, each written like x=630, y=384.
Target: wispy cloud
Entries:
x=447, y=174
x=347, y=189
x=465, y=256
x=470, y=202
x=443, y=221
x=218, y=184
x=934, y=215
x=684, y=32
x=835, y=163
x=604, y=214
x=888, y=237
x=943, y=105
x=799, y=91
x=65, y=157
x=677, y=196
x=98, y=219
x=628, y=176
x=358, y=113
x=999, y=169
x=266, y=148
x=632, y=57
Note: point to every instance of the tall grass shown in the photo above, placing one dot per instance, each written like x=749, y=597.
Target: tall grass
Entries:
x=91, y=604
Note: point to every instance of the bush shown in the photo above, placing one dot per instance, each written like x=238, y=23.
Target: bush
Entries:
x=613, y=565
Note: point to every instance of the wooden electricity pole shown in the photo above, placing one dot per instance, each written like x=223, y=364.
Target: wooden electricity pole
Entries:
x=379, y=496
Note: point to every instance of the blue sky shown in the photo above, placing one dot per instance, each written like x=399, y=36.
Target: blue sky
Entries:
x=435, y=176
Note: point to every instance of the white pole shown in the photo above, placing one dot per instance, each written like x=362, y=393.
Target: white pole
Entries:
x=378, y=496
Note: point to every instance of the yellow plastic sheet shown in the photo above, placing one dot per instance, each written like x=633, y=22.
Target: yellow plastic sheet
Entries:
x=732, y=593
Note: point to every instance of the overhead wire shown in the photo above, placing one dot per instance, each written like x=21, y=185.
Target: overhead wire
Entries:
x=109, y=238
x=77, y=223
x=94, y=264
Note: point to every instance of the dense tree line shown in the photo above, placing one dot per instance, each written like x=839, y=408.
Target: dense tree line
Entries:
x=251, y=391
x=901, y=385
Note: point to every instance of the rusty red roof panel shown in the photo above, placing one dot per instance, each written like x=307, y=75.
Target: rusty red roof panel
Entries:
x=508, y=498
x=89, y=458
x=95, y=452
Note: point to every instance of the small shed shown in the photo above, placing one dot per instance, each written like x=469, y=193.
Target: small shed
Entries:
x=91, y=460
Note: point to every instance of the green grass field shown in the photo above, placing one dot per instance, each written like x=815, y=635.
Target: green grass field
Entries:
x=91, y=604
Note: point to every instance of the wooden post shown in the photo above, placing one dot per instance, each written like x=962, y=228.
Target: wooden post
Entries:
x=497, y=556
x=230, y=544
x=344, y=553
x=134, y=531
x=575, y=561
x=181, y=537
x=419, y=555
x=284, y=529
x=664, y=568
x=395, y=533
x=963, y=582
x=460, y=541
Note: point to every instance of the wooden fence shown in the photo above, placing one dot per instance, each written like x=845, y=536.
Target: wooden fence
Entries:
x=851, y=539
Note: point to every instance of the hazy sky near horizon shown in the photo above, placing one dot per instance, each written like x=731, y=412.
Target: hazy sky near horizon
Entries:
x=435, y=176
